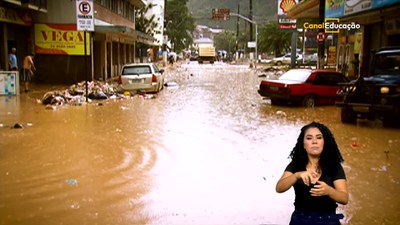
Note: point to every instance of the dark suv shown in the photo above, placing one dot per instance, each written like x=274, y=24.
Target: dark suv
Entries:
x=376, y=96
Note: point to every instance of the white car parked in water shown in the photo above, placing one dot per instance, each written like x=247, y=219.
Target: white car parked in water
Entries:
x=141, y=77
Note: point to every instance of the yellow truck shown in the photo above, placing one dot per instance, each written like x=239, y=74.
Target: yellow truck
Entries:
x=206, y=53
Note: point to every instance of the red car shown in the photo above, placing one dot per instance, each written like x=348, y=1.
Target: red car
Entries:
x=306, y=87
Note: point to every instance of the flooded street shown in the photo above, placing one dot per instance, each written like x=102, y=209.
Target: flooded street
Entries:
x=207, y=150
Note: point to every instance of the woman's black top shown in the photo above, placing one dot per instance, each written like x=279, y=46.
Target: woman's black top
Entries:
x=305, y=202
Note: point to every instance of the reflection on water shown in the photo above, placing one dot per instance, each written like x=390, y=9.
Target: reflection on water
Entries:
x=9, y=108
x=208, y=151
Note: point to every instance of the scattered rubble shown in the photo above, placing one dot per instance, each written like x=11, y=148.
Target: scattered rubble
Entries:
x=271, y=72
x=76, y=94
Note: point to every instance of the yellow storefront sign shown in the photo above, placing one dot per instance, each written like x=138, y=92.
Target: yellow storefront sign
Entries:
x=16, y=17
x=60, y=39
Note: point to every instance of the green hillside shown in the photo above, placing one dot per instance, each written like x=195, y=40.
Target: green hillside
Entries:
x=263, y=11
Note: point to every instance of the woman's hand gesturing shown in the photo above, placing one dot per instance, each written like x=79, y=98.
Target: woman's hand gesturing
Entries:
x=308, y=177
x=320, y=189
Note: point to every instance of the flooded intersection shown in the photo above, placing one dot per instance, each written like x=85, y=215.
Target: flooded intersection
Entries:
x=207, y=150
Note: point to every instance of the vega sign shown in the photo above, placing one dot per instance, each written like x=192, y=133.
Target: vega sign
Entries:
x=60, y=39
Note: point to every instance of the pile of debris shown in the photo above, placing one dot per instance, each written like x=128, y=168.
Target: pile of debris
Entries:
x=76, y=94
x=271, y=72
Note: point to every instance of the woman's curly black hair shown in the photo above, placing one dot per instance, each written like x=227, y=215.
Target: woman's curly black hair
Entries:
x=330, y=156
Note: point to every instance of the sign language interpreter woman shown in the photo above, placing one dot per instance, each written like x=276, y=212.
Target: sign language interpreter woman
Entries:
x=317, y=177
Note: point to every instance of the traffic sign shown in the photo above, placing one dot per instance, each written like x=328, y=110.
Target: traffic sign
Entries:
x=220, y=14
x=84, y=15
x=321, y=37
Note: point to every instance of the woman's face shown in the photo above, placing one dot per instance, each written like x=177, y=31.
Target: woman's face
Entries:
x=313, y=141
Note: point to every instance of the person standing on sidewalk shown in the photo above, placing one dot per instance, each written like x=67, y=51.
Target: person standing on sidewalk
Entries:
x=28, y=67
x=12, y=60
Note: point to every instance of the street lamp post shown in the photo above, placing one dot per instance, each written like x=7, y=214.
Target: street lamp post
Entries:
x=253, y=22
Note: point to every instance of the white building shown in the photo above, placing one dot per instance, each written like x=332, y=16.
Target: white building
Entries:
x=158, y=11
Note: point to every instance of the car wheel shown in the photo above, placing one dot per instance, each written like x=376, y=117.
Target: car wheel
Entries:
x=275, y=102
x=308, y=101
x=348, y=116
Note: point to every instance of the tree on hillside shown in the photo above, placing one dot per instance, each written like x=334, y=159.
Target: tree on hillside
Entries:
x=179, y=24
x=273, y=39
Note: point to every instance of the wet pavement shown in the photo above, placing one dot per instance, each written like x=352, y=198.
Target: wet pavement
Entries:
x=206, y=150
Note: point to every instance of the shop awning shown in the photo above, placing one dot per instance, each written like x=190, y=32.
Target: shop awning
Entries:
x=103, y=27
x=305, y=9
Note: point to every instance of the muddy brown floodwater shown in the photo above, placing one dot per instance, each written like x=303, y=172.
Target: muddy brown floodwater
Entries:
x=208, y=150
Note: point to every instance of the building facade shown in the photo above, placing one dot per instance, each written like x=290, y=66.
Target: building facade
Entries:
x=16, y=24
x=376, y=25
x=49, y=29
x=379, y=27
x=158, y=12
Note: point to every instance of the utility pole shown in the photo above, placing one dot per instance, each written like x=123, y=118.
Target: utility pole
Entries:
x=321, y=45
x=251, y=18
x=165, y=38
x=237, y=22
x=250, y=21
x=251, y=28
x=237, y=33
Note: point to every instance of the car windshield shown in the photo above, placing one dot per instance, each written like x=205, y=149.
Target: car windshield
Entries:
x=388, y=64
x=136, y=70
x=296, y=75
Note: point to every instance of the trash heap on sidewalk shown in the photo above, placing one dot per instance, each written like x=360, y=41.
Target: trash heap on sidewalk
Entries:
x=76, y=94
